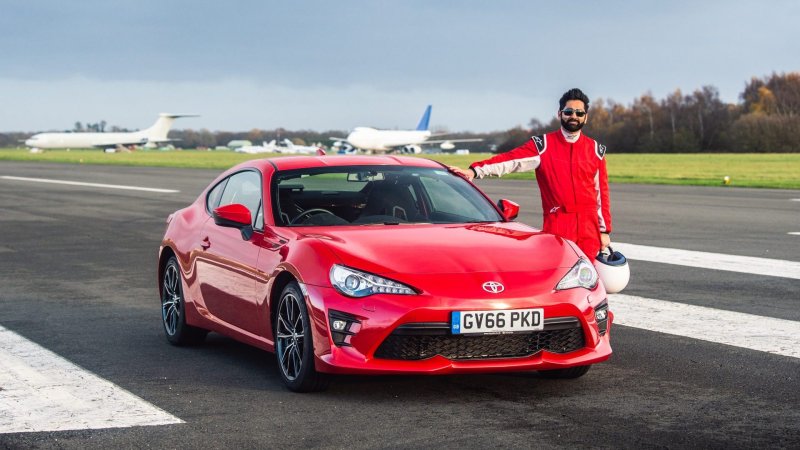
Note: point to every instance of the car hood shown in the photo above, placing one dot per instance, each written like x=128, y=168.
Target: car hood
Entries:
x=441, y=249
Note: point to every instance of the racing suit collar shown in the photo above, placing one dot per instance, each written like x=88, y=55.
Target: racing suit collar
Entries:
x=570, y=136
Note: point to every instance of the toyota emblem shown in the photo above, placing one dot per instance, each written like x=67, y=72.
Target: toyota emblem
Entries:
x=493, y=287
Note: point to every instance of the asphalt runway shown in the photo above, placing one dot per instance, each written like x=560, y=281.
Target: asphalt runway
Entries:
x=77, y=268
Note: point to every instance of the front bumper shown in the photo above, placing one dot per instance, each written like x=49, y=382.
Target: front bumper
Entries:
x=384, y=335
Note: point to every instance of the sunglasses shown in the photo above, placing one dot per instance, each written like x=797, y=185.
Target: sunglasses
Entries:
x=569, y=111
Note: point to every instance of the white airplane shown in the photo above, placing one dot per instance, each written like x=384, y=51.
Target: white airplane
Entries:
x=265, y=147
x=290, y=147
x=408, y=141
x=149, y=137
x=287, y=147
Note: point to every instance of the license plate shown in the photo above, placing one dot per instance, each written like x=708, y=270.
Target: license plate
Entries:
x=497, y=321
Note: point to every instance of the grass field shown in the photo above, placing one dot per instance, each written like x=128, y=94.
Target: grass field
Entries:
x=764, y=170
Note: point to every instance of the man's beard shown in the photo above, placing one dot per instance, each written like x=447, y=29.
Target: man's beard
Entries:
x=570, y=124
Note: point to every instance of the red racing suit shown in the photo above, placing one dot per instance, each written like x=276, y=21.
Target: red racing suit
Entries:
x=573, y=182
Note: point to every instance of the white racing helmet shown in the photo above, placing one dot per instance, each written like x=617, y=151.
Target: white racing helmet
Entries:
x=613, y=270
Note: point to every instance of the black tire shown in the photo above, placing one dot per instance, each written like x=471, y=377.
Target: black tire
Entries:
x=572, y=372
x=173, y=310
x=294, y=344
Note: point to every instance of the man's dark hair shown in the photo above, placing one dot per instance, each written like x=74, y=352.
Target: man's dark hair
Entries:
x=573, y=94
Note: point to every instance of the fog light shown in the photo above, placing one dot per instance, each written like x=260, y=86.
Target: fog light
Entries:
x=601, y=316
x=341, y=325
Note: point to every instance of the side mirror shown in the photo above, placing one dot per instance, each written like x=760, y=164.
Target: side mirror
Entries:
x=509, y=209
x=235, y=215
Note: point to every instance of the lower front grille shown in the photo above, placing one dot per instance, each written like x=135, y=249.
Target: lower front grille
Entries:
x=422, y=341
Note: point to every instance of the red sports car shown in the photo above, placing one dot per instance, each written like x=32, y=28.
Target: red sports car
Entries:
x=377, y=265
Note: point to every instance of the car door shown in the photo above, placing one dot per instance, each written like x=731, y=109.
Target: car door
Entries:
x=226, y=270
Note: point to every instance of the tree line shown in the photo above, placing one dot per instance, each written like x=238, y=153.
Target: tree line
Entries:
x=766, y=119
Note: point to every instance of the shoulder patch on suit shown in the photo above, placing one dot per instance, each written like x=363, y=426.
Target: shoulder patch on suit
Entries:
x=541, y=143
x=600, y=149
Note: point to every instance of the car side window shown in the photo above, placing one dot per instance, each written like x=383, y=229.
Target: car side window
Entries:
x=258, y=223
x=212, y=200
x=244, y=188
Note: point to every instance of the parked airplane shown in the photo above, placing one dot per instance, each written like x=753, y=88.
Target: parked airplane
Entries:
x=408, y=141
x=265, y=147
x=290, y=147
x=287, y=147
x=150, y=137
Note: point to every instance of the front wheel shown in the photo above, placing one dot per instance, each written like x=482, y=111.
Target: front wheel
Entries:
x=173, y=309
x=294, y=345
x=572, y=372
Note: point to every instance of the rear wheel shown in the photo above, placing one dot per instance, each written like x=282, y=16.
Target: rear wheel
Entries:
x=294, y=345
x=173, y=310
x=572, y=372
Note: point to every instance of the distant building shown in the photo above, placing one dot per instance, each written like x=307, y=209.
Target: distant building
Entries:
x=233, y=145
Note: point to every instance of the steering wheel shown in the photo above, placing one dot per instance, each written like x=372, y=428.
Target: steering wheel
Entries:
x=310, y=212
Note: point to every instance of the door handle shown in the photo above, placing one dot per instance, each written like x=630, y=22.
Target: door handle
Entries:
x=205, y=243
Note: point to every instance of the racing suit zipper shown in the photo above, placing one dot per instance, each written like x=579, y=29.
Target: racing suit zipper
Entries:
x=572, y=173
x=572, y=183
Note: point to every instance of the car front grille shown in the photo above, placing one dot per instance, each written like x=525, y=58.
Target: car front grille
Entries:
x=418, y=341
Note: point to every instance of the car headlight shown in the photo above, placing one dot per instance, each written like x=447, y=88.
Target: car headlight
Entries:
x=582, y=274
x=356, y=283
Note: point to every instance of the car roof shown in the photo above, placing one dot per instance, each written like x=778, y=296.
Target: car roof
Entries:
x=302, y=162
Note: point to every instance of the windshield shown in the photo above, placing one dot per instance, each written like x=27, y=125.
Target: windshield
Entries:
x=369, y=195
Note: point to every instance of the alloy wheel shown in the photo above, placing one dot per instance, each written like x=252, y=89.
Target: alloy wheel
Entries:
x=290, y=336
x=171, y=300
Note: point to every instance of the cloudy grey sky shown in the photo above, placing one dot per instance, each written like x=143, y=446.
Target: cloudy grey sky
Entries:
x=322, y=65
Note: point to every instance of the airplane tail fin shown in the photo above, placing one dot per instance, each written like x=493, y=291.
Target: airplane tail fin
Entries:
x=158, y=132
x=426, y=118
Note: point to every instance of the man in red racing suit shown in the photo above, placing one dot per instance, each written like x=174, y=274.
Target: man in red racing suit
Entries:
x=571, y=173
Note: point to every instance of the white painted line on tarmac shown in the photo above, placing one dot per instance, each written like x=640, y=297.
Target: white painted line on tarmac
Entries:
x=796, y=199
x=794, y=233
x=716, y=261
x=765, y=334
x=97, y=185
x=41, y=391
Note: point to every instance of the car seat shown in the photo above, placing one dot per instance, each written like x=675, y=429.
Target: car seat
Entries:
x=391, y=198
